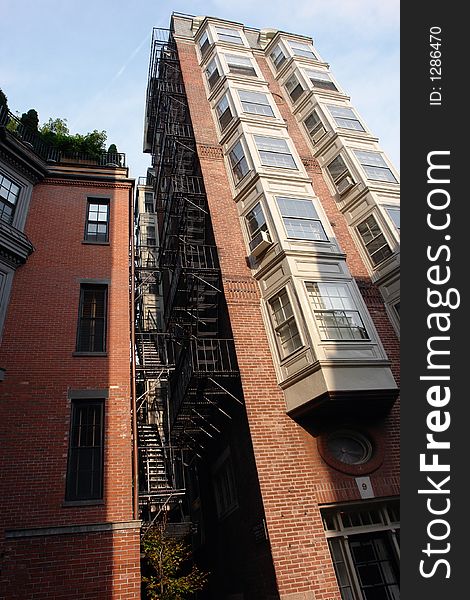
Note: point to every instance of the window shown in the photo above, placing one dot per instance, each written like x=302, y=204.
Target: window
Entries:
x=374, y=240
x=301, y=219
x=151, y=237
x=149, y=202
x=294, y=88
x=345, y=117
x=335, y=313
x=212, y=73
x=321, y=80
x=224, y=113
x=366, y=561
x=285, y=327
x=256, y=223
x=85, y=458
x=229, y=35
x=375, y=166
x=314, y=127
x=97, y=223
x=340, y=174
x=9, y=193
x=240, y=65
x=238, y=162
x=394, y=214
x=204, y=43
x=255, y=103
x=274, y=152
x=278, y=57
x=224, y=488
x=301, y=49
x=91, y=335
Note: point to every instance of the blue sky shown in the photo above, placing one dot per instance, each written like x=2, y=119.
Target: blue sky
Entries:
x=87, y=61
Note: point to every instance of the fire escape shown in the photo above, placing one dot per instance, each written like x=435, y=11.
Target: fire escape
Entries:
x=187, y=373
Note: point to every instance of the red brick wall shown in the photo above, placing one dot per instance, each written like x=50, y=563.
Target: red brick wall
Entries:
x=92, y=566
x=293, y=477
x=37, y=346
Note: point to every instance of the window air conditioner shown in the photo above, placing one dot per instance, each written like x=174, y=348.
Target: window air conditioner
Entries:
x=344, y=184
x=260, y=243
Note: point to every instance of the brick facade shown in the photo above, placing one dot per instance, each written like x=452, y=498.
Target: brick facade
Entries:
x=293, y=478
x=41, y=371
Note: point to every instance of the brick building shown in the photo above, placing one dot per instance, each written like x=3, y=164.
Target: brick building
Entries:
x=267, y=316
x=69, y=528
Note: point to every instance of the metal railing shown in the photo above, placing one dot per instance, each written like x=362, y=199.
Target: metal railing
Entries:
x=35, y=142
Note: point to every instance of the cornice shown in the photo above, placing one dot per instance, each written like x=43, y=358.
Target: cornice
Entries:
x=115, y=184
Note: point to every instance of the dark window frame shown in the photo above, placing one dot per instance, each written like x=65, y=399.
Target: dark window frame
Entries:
x=96, y=237
x=92, y=347
x=8, y=198
x=76, y=476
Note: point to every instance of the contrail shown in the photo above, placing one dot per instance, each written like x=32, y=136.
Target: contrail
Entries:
x=102, y=92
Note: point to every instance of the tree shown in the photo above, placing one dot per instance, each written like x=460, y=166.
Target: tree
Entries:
x=30, y=119
x=172, y=576
x=112, y=149
x=56, y=133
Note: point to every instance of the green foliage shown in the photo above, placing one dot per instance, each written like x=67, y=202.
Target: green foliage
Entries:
x=172, y=575
x=30, y=119
x=112, y=149
x=56, y=133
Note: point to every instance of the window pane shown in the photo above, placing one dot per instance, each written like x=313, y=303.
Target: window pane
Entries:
x=278, y=57
x=97, y=225
x=394, y=214
x=229, y=35
x=85, y=462
x=374, y=240
x=92, y=319
x=255, y=103
x=312, y=122
x=307, y=230
x=321, y=79
x=296, y=207
x=238, y=161
x=9, y=193
x=300, y=49
x=337, y=168
x=255, y=220
x=335, y=312
x=240, y=65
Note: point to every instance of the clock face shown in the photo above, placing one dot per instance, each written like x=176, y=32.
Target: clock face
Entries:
x=349, y=448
